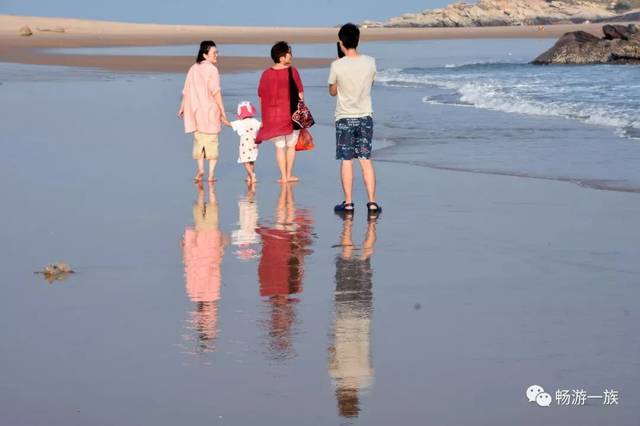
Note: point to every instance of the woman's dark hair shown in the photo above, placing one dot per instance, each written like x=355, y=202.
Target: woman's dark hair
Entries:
x=279, y=50
x=204, y=49
x=349, y=35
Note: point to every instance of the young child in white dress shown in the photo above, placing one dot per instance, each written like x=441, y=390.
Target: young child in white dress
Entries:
x=247, y=128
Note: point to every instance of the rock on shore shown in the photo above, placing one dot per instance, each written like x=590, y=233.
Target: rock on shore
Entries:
x=511, y=12
x=620, y=45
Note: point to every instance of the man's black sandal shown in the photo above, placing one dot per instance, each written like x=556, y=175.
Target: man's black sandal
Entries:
x=344, y=208
x=373, y=208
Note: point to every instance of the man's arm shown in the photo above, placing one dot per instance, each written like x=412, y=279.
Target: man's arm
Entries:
x=333, y=80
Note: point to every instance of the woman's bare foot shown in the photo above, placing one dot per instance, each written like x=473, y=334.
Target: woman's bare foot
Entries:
x=211, y=179
x=282, y=180
x=198, y=177
x=293, y=179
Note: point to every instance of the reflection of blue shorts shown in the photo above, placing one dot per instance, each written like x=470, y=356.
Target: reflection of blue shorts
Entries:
x=353, y=138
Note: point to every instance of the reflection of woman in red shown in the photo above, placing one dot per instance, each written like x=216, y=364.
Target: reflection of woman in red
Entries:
x=281, y=268
x=203, y=248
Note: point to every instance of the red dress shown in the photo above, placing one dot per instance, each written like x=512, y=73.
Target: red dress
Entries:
x=273, y=91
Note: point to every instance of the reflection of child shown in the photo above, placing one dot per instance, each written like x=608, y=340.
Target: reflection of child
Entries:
x=246, y=238
x=247, y=128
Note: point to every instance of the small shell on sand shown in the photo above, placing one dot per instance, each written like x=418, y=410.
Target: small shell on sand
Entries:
x=56, y=271
x=25, y=31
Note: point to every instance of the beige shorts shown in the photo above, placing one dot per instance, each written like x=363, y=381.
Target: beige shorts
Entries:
x=205, y=145
x=288, y=140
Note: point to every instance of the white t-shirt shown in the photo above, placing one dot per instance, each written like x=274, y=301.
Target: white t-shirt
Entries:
x=354, y=77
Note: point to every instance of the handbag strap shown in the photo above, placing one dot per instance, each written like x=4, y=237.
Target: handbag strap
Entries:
x=293, y=92
x=293, y=96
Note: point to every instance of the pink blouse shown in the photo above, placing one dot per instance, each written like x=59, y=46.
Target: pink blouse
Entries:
x=201, y=113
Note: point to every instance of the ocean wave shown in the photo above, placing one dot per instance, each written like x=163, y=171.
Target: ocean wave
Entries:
x=511, y=90
x=494, y=97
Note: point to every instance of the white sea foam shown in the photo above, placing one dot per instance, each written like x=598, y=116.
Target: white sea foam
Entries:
x=535, y=94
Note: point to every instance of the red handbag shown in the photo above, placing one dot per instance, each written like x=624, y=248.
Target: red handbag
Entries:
x=305, y=141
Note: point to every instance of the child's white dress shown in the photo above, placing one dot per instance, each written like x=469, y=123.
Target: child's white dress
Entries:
x=247, y=129
x=246, y=237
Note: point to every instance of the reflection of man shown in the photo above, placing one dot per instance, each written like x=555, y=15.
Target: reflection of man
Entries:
x=281, y=269
x=350, y=356
x=203, y=248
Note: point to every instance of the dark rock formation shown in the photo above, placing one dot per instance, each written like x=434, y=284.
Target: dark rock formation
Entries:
x=628, y=17
x=621, y=45
x=612, y=32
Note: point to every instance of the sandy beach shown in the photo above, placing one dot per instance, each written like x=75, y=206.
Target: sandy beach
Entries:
x=62, y=32
x=506, y=254
x=505, y=282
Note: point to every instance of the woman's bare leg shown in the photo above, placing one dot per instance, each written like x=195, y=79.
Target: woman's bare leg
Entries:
x=282, y=164
x=291, y=157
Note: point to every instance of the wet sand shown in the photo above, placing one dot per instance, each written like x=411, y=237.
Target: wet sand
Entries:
x=87, y=33
x=192, y=308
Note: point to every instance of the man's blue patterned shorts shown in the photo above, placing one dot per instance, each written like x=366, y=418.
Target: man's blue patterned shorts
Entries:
x=353, y=138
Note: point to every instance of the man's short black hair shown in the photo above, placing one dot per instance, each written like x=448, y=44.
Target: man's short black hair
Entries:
x=349, y=35
x=279, y=50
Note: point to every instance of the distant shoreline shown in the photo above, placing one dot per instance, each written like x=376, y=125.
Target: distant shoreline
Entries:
x=70, y=33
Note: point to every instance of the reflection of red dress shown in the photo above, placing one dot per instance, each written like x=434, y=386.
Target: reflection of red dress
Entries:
x=281, y=267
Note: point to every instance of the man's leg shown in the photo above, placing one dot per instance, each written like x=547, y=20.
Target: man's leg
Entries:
x=346, y=176
x=364, y=139
x=369, y=177
x=345, y=153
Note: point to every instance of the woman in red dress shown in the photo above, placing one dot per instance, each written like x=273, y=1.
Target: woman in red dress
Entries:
x=276, y=101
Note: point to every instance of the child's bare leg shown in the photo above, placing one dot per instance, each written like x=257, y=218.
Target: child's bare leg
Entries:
x=247, y=167
x=252, y=166
x=212, y=168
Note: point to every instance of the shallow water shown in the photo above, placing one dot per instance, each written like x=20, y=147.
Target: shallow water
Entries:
x=495, y=113
x=235, y=306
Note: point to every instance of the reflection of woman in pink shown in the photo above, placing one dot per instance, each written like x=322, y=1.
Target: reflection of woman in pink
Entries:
x=281, y=269
x=203, y=248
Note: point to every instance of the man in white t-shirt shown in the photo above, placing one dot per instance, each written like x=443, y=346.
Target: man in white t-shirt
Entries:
x=351, y=79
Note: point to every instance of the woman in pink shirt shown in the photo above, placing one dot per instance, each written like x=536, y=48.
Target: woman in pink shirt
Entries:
x=277, y=102
x=202, y=108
